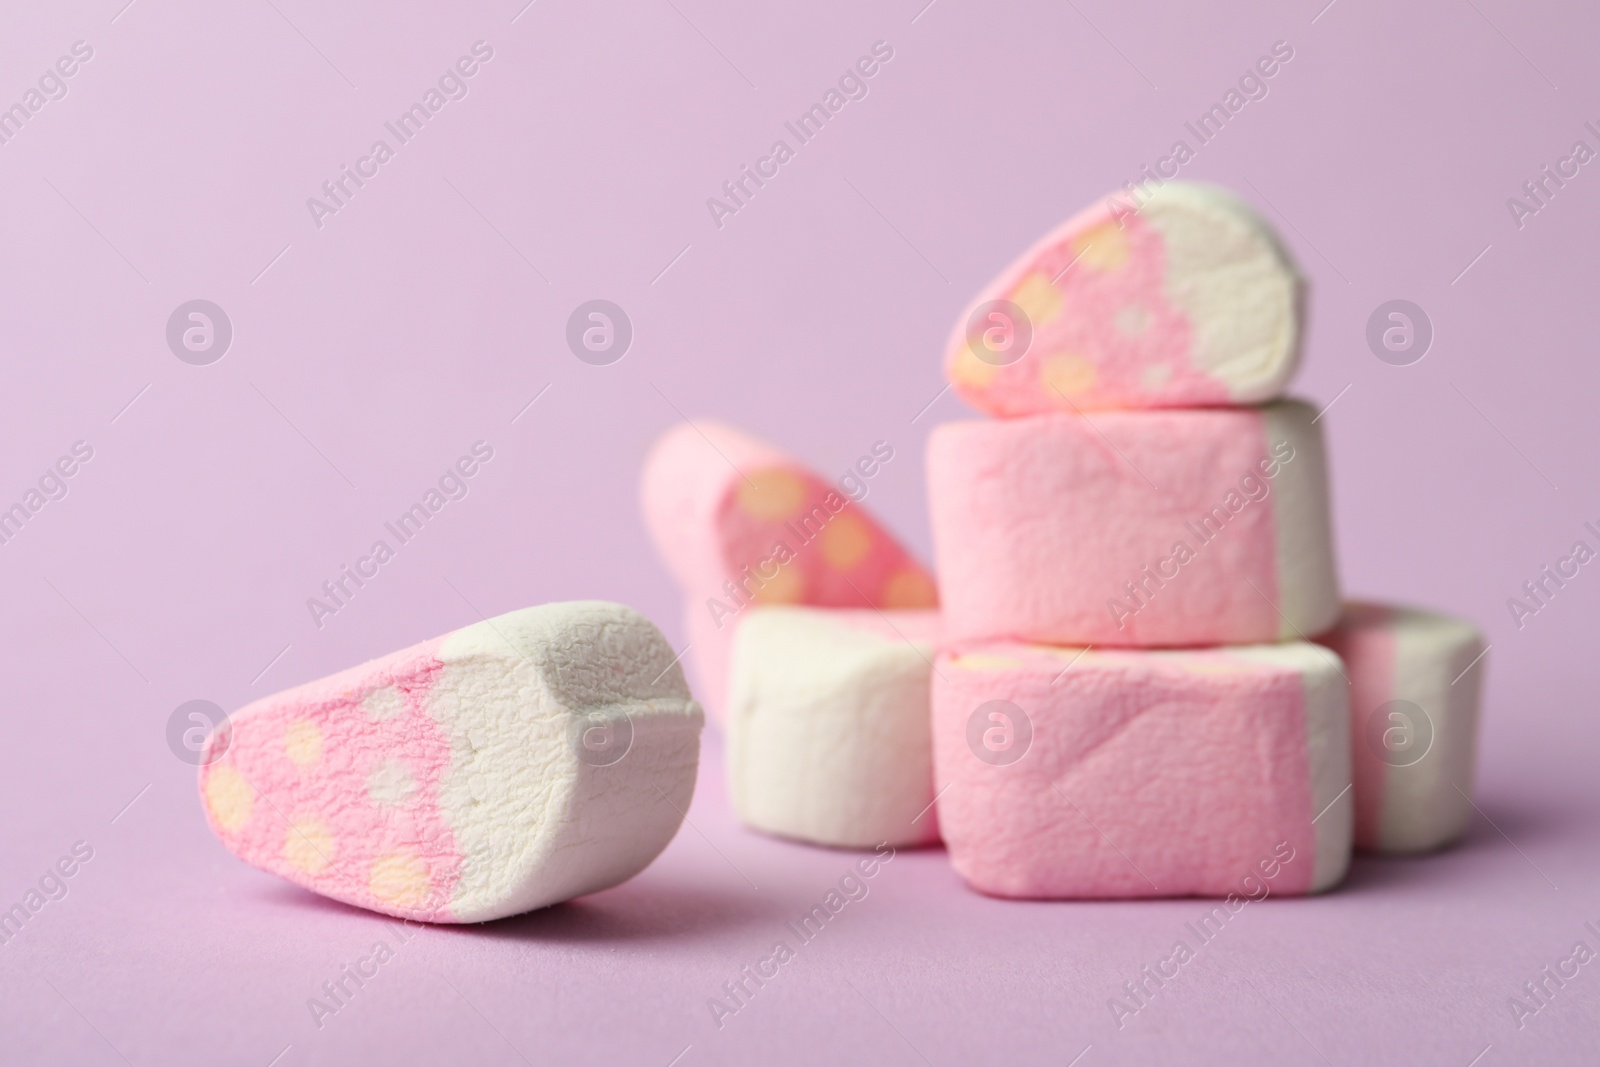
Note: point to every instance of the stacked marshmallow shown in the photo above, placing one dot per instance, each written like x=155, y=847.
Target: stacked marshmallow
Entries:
x=1131, y=557
x=740, y=524
x=812, y=634
x=1117, y=696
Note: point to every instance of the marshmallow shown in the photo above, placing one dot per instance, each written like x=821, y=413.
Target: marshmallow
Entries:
x=1139, y=529
x=1413, y=723
x=828, y=731
x=740, y=523
x=1072, y=774
x=1187, y=301
x=518, y=762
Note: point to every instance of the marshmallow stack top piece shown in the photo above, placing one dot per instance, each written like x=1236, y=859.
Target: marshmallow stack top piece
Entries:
x=1134, y=528
x=1072, y=773
x=1187, y=300
x=518, y=762
x=738, y=522
x=1415, y=679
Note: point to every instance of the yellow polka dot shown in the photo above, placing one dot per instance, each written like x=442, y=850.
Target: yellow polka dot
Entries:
x=302, y=740
x=971, y=371
x=909, y=588
x=1105, y=247
x=773, y=494
x=785, y=587
x=400, y=878
x=845, y=542
x=1038, y=297
x=229, y=797
x=1064, y=651
x=308, y=845
x=978, y=661
x=1210, y=666
x=1066, y=375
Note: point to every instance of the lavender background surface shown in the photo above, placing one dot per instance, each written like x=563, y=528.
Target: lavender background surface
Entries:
x=424, y=316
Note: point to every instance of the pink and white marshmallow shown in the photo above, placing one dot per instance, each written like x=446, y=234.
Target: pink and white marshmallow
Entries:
x=518, y=762
x=1184, y=300
x=1415, y=680
x=740, y=523
x=1066, y=773
x=1134, y=528
x=828, y=728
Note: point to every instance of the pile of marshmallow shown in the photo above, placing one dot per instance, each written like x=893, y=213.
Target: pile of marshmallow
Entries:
x=1134, y=677
x=1139, y=679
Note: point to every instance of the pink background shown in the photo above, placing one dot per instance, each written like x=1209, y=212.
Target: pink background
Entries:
x=380, y=347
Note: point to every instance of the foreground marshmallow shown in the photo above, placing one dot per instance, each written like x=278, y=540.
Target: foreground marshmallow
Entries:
x=828, y=731
x=1136, y=774
x=524, y=760
x=1413, y=723
x=740, y=523
x=1134, y=528
x=1187, y=301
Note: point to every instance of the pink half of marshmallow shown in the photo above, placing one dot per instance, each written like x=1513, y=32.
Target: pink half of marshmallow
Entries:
x=1066, y=773
x=1415, y=680
x=740, y=523
x=518, y=762
x=1186, y=300
x=1134, y=528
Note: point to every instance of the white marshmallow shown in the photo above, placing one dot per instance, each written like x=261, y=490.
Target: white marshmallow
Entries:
x=1415, y=679
x=829, y=736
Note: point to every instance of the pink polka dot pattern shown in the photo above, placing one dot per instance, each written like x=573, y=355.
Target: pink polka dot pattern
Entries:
x=1109, y=327
x=294, y=793
x=740, y=523
x=794, y=539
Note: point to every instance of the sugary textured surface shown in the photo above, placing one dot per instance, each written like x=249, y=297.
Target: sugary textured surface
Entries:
x=1413, y=723
x=1188, y=301
x=1134, y=528
x=828, y=729
x=521, y=761
x=1170, y=773
x=739, y=523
